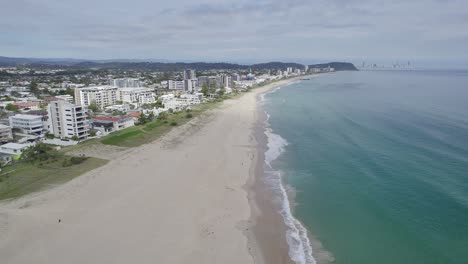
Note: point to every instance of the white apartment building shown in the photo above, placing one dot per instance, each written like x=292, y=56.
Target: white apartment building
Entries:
x=227, y=81
x=65, y=97
x=175, y=85
x=29, y=124
x=125, y=82
x=190, y=85
x=101, y=95
x=132, y=95
x=67, y=120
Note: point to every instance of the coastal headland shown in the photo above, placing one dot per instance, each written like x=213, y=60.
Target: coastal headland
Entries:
x=183, y=198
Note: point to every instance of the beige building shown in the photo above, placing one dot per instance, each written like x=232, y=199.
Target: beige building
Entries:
x=101, y=95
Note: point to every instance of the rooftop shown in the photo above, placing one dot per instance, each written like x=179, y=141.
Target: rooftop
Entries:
x=28, y=117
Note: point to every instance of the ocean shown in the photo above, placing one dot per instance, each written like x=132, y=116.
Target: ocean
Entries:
x=373, y=165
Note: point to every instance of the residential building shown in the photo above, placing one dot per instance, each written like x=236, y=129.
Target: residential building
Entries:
x=132, y=95
x=175, y=85
x=66, y=97
x=101, y=95
x=110, y=124
x=5, y=133
x=12, y=151
x=189, y=75
x=226, y=81
x=27, y=105
x=29, y=124
x=125, y=83
x=67, y=120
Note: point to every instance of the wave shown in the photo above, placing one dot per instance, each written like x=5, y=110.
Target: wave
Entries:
x=300, y=249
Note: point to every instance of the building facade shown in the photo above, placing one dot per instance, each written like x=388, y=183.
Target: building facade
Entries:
x=125, y=83
x=133, y=95
x=189, y=75
x=28, y=124
x=68, y=120
x=175, y=85
x=5, y=133
x=101, y=95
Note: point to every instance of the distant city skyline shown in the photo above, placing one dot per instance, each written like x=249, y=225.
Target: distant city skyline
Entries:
x=237, y=31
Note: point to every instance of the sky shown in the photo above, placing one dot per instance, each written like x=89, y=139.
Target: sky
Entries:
x=235, y=31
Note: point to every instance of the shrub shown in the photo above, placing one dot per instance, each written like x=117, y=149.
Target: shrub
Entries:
x=173, y=123
x=162, y=116
x=188, y=115
x=66, y=163
x=77, y=160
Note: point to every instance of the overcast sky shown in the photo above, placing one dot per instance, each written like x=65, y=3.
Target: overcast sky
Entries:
x=226, y=30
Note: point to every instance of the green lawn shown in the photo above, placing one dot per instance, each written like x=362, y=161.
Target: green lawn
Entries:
x=141, y=134
x=23, y=178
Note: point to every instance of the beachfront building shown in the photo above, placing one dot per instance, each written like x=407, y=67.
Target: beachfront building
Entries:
x=125, y=83
x=5, y=133
x=13, y=151
x=136, y=95
x=67, y=120
x=110, y=124
x=101, y=95
x=28, y=124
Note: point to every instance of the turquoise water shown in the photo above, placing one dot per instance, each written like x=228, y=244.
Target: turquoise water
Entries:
x=379, y=161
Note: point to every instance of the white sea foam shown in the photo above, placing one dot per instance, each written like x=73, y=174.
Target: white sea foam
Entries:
x=300, y=250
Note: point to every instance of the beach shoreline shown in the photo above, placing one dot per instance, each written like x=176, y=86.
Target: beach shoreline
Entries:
x=183, y=198
x=270, y=229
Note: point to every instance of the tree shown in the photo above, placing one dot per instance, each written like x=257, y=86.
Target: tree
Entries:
x=11, y=107
x=150, y=116
x=33, y=88
x=205, y=89
x=93, y=107
x=75, y=138
x=142, y=119
x=162, y=116
x=92, y=133
x=221, y=92
x=213, y=87
x=40, y=152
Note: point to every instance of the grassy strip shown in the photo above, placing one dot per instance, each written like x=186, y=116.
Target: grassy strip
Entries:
x=24, y=178
x=142, y=134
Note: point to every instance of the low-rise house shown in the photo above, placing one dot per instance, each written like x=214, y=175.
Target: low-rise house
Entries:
x=110, y=124
x=135, y=115
x=27, y=105
x=120, y=108
x=28, y=124
x=13, y=150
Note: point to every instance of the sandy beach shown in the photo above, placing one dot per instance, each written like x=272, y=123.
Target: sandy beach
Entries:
x=189, y=197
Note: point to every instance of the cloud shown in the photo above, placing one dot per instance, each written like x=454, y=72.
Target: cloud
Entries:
x=219, y=29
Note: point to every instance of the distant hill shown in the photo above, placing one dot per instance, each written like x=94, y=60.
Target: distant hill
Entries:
x=155, y=65
x=338, y=66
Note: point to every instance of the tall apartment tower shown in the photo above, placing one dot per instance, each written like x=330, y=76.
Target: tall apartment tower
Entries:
x=189, y=75
x=67, y=120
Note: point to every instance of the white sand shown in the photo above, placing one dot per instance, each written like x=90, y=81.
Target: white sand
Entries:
x=177, y=200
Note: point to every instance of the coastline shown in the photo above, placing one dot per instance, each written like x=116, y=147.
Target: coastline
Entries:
x=275, y=227
x=143, y=205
